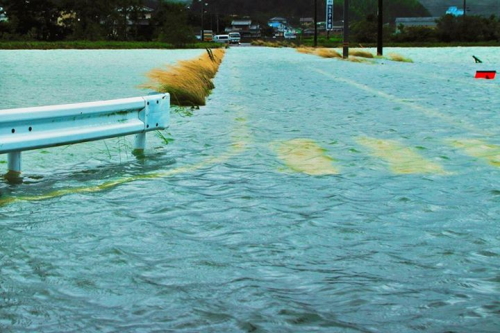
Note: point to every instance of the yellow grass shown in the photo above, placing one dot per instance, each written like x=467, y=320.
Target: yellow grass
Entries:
x=306, y=50
x=277, y=44
x=398, y=57
x=355, y=55
x=260, y=42
x=189, y=81
x=327, y=53
x=360, y=53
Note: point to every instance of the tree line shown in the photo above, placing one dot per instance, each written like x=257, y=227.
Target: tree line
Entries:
x=54, y=20
x=262, y=10
x=177, y=22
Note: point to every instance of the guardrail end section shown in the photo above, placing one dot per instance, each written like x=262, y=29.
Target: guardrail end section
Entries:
x=157, y=111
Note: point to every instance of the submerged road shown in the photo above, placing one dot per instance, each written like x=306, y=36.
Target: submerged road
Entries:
x=308, y=195
x=403, y=115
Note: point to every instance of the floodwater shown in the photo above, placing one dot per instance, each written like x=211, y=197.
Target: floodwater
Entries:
x=308, y=195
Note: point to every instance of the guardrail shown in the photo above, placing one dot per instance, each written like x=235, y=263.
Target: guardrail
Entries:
x=50, y=126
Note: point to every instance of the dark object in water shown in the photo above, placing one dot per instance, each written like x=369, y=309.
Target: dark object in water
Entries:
x=489, y=75
x=477, y=59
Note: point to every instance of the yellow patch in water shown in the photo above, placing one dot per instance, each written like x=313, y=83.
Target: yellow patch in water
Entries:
x=479, y=149
x=401, y=159
x=305, y=156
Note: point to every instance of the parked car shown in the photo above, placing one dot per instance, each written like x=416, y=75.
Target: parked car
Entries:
x=221, y=39
x=234, y=38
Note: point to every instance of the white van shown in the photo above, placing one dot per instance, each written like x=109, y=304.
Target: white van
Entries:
x=221, y=39
x=234, y=38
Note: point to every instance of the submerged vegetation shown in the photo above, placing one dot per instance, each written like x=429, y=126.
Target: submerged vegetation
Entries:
x=327, y=53
x=355, y=55
x=188, y=82
x=398, y=57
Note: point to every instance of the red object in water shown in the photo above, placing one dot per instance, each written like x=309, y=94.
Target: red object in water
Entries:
x=485, y=75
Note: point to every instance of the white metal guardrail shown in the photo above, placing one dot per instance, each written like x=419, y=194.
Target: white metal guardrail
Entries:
x=49, y=126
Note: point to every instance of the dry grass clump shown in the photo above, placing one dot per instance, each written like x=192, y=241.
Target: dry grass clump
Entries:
x=306, y=50
x=322, y=52
x=398, y=57
x=189, y=82
x=328, y=53
x=355, y=55
x=260, y=42
x=360, y=53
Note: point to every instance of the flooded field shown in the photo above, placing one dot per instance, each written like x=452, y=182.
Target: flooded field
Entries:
x=309, y=194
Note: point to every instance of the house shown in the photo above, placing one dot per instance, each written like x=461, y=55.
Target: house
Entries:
x=241, y=25
x=455, y=11
x=245, y=27
x=306, y=22
x=278, y=24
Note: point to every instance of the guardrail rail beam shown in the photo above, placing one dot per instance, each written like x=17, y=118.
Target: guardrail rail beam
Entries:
x=50, y=126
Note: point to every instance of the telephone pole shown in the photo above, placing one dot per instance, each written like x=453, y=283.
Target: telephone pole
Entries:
x=315, y=23
x=345, y=54
x=380, y=28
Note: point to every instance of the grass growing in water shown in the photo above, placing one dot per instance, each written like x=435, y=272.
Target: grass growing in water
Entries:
x=360, y=53
x=306, y=50
x=355, y=55
x=277, y=44
x=189, y=82
x=398, y=57
x=164, y=138
x=328, y=53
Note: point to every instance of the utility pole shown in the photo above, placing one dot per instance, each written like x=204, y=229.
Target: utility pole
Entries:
x=315, y=23
x=217, y=17
x=345, y=54
x=380, y=51
x=202, y=2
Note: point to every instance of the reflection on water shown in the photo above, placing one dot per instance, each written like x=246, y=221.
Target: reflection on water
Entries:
x=384, y=221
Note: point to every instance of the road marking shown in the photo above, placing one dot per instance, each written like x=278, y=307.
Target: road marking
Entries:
x=430, y=112
x=305, y=156
x=479, y=149
x=401, y=159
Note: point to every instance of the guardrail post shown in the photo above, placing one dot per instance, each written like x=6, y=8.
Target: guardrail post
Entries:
x=140, y=144
x=14, y=165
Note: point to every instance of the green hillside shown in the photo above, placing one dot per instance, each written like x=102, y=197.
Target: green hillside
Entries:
x=475, y=7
